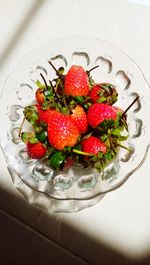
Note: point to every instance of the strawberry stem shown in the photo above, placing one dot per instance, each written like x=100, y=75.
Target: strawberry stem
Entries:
x=21, y=125
x=111, y=144
x=124, y=147
x=134, y=101
x=56, y=96
x=81, y=153
x=54, y=92
x=53, y=89
x=44, y=80
x=57, y=72
x=64, y=101
x=88, y=71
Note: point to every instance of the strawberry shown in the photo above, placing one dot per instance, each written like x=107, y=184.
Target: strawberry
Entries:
x=37, y=150
x=99, y=112
x=95, y=93
x=104, y=92
x=68, y=163
x=62, y=131
x=44, y=114
x=80, y=118
x=76, y=82
x=93, y=145
x=39, y=96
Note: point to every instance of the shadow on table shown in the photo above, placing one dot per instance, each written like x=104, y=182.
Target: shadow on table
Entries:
x=19, y=244
x=21, y=29
x=46, y=228
x=96, y=252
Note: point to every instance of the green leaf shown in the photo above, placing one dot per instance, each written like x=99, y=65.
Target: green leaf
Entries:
x=38, y=129
x=50, y=150
x=114, y=98
x=108, y=156
x=42, y=136
x=61, y=70
x=29, y=137
x=40, y=85
x=99, y=165
x=91, y=82
x=79, y=99
x=106, y=124
x=109, y=92
x=56, y=159
x=43, y=124
x=68, y=148
x=65, y=110
x=78, y=147
x=87, y=105
x=108, y=87
x=47, y=105
x=94, y=158
x=123, y=122
x=100, y=155
x=72, y=102
x=48, y=94
x=123, y=137
x=107, y=142
x=33, y=140
x=31, y=114
x=116, y=132
x=101, y=99
x=104, y=137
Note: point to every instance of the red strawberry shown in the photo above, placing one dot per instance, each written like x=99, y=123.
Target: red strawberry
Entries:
x=80, y=118
x=76, y=82
x=95, y=93
x=104, y=91
x=93, y=145
x=99, y=112
x=62, y=131
x=39, y=96
x=37, y=150
x=44, y=115
x=68, y=163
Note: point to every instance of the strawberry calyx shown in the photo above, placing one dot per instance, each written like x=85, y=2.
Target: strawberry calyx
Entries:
x=36, y=150
x=104, y=93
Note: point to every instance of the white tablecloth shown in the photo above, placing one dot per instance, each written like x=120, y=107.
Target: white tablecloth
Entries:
x=119, y=226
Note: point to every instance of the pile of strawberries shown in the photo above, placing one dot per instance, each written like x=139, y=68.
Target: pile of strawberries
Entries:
x=74, y=121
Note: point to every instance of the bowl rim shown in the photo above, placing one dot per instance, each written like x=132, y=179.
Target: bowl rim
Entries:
x=122, y=181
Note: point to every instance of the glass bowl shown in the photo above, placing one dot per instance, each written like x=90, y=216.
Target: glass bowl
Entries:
x=78, y=187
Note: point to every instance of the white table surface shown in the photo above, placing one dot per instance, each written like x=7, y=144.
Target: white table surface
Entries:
x=120, y=223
